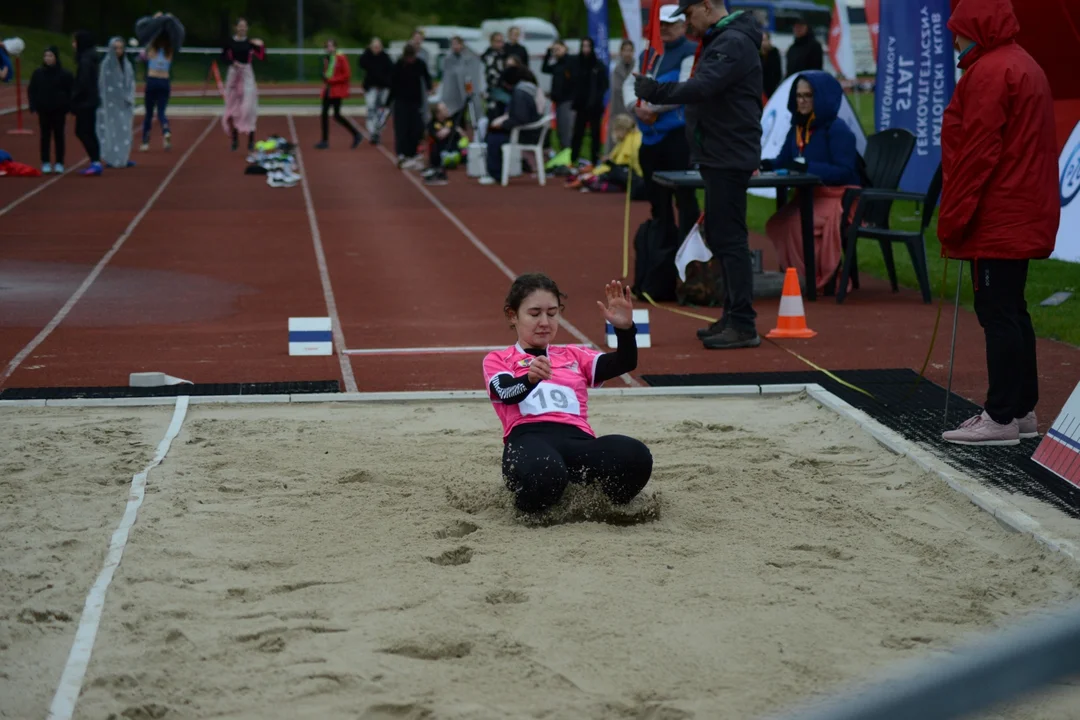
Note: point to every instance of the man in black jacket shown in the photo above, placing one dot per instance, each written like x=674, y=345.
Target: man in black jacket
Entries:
x=85, y=98
x=723, y=124
x=378, y=75
x=805, y=53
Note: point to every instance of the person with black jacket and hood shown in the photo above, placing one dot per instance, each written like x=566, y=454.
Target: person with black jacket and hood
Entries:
x=49, y=94
x=521, y=110
x=806, y=52
x=723, y=124
x=378, y=74
x=408, y=96
x=590, y=82
x=85, y=98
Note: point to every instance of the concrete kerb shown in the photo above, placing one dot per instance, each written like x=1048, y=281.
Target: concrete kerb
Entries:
x=997, y=506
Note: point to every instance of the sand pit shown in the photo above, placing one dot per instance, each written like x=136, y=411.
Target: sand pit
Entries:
x=363, y=561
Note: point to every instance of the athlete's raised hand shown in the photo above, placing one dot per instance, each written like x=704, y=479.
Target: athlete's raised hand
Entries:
x=619, y=310
x=539, y=369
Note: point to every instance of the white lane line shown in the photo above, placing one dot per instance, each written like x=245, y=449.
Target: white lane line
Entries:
x=31, y=193
x=426, y=350
x=324, y=274
x=67, y=693
x=629, y=380
x=81, y=290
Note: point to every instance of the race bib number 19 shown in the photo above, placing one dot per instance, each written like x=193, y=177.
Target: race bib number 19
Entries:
x=550, y=397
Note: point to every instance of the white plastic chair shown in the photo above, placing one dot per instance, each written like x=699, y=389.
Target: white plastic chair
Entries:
x=543, y=125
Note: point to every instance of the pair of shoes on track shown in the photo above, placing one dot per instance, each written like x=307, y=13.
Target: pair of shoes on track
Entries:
x=47, y=168
x=720, y=337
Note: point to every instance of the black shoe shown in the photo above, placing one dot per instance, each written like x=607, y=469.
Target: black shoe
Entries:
x=322, y=145
x=715, y=329
x=730, y=339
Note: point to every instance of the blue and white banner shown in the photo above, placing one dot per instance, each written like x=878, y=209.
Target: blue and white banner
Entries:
x=598, y=28
x=1068, y=237
x=916, y=76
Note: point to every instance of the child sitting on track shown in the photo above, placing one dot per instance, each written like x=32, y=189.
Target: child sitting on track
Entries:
x=540, y=392
x=444, y=137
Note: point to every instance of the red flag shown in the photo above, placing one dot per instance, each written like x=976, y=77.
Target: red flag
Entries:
x=873, y=12
x=652, y=31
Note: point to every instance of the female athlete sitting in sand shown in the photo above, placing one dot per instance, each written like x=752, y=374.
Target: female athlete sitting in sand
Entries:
x=540, y=392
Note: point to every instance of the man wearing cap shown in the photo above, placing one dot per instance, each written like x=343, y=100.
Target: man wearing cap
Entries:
x=663, y=127
x=806, y=52
x=723, y=123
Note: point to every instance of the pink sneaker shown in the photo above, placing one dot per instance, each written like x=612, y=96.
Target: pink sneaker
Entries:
x=981, y=430
x=1029, y=426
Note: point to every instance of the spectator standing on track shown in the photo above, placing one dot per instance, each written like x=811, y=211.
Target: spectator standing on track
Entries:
x=494, y=59
x=417, y=41
x=241, y=91
x=723, y=121
x=159, y=57
x=49, y=95
x=514, y=48
x=624, y=68
x=1000, y=205
x=771, y=65
x=336, y=78
x=664, y=145
x=805, y=53
x=378, y=73
x=590, y=81
x=85, y=99
x=408, y=95
x=557, y=65
x=116, y=84
x=462, y=83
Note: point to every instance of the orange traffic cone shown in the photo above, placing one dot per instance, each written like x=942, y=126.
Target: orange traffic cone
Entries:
x=792, y=320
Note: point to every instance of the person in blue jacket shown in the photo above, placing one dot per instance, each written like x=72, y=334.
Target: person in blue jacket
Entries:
x=664, y=145
x=822, y=144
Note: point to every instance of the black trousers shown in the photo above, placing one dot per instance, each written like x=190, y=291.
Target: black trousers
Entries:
x=86, y=131
x=729, y=240
x=671, y=153
x=1010, y=338
x=408, y=129
x=540, y=459
x=593, y=118
x=51, y=124
x=329, y=103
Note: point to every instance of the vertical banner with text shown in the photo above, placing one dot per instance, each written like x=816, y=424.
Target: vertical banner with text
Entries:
x=916, y=75
x=598, y=28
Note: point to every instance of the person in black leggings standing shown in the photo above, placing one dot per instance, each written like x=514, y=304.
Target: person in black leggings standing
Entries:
x=590, y=81
x=50, y=95
x=540, y=392
x=85, y=98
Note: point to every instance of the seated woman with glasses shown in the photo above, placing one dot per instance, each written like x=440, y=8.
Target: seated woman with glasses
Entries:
x=821, y=144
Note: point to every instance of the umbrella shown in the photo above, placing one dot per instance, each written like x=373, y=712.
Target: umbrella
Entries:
x=148, y=28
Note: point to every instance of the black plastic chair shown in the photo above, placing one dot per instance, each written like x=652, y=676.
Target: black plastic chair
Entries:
x=887, y=155
x=915, y=240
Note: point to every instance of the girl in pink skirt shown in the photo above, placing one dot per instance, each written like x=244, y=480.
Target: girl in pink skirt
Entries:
x=241, y=92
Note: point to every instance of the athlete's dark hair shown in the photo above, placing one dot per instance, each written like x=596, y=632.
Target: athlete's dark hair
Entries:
x=525, y=285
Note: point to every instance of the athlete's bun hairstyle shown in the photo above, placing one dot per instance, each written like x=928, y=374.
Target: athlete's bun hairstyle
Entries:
x=525, y=285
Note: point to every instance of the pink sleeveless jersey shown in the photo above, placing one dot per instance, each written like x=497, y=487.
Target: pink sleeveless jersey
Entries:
x=564, y=398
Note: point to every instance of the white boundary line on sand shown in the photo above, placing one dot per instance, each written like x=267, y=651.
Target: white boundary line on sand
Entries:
x=987, y=500
x=81, y=290
x=324, y=273
x=67, y=692
x=479, y=245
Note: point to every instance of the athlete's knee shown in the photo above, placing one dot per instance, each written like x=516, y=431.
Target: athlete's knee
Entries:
x=538, y=483
x=632, y=468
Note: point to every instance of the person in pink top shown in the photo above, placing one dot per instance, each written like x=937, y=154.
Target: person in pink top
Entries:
x=540, y=392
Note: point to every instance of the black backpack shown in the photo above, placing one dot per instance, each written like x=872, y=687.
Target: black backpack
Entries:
x=655, y=246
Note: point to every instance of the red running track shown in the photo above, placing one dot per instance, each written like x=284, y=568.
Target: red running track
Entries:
x=204, y=284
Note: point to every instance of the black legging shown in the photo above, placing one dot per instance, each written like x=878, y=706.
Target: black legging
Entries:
x=540, y=459
x=51, y=123
x=408, y=129
x=86, y=131
x=593, y=117
x=335, y=103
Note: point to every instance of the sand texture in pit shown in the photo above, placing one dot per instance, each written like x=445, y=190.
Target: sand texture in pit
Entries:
x=363, y=561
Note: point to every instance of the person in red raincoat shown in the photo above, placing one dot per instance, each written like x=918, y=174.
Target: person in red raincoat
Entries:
x=336, y=78
x=999, y=204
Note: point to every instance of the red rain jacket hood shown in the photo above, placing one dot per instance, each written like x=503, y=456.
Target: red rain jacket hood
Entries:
x=999, y=160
